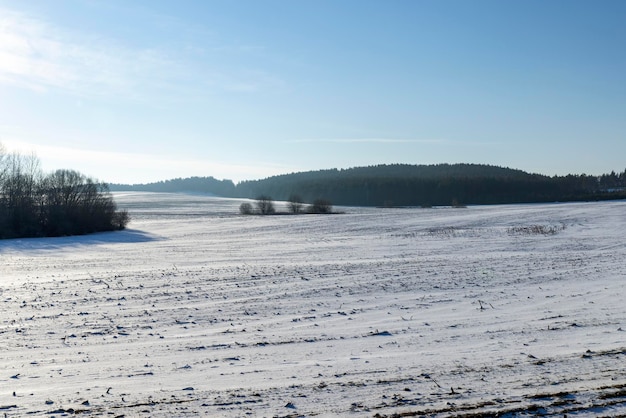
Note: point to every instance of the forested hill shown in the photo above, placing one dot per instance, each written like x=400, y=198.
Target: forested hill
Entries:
x=208, y=185
x=408, y=185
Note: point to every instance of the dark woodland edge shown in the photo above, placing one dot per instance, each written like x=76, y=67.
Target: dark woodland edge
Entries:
x=61, y=203
x=407, y=185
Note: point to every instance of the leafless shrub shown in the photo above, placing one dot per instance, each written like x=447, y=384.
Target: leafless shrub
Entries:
x=265, y=205
x=536, y=229
x=295, y=204
x=121, y=218
x=321, y=206
x=64, y=202
x=246, y=208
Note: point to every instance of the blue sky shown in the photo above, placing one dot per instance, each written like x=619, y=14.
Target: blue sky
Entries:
x=140, y=91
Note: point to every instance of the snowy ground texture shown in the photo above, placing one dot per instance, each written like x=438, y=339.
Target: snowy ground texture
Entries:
x=197, y=311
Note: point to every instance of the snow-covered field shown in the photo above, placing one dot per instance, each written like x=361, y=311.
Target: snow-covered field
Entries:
x=198, y=311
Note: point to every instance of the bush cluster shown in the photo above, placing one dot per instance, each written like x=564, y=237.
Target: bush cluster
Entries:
x=64, y=202
x=265, y=206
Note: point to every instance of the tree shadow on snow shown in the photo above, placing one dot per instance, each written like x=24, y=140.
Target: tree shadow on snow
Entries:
x=127, y=236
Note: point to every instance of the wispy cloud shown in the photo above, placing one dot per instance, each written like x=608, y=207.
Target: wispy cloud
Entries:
x=38, y=55
x=367, y=140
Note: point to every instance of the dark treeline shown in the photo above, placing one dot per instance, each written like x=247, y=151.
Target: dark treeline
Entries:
x=207, y=185
x=64, y=202
x=411, y=185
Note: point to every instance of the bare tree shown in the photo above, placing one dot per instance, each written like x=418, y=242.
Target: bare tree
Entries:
x=19, y=209
x=295, y=204
x=265, y=205
x=75, y=204
x=3, y=164
x=321, y=206
x=246, y=208
x=64, y=202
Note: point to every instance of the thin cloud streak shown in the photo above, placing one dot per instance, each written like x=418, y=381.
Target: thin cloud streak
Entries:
x=475, y=143
x=367, y=140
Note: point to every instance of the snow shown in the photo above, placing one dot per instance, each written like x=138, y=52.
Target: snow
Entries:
x=197, y=310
